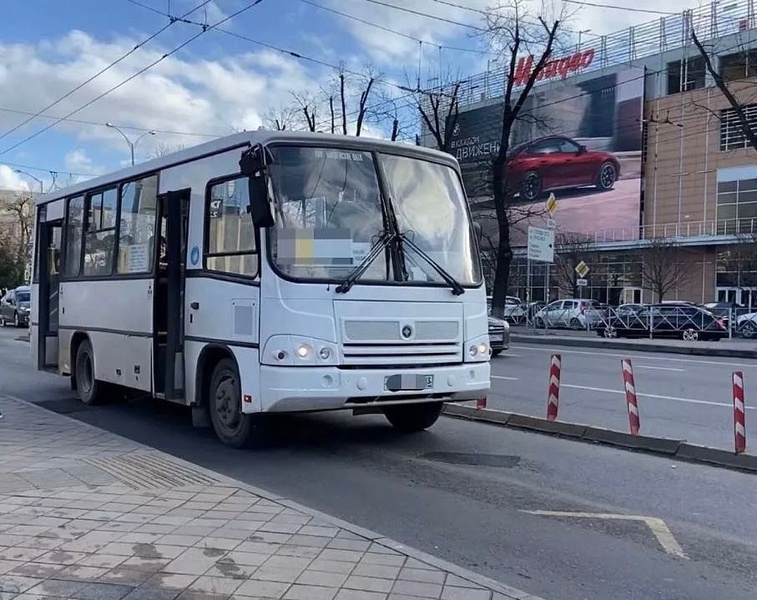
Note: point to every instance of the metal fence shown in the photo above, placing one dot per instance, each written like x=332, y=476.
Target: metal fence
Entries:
x=674, y=321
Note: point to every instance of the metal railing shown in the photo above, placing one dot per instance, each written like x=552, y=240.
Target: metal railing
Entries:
x=653, y=322
x=623, y=47
x=689, y=229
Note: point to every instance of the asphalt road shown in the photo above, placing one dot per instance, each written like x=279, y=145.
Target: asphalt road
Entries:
x=463, y=491
x=679, y=397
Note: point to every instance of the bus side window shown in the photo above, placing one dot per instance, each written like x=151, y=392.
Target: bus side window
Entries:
x=136, y=226
x=231, y=235
x=100, y=238
x=74, y=235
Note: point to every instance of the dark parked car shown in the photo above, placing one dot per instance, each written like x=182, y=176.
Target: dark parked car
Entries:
x=499, y=335
x=556, y=162
x=686, y=322
x=15, y=306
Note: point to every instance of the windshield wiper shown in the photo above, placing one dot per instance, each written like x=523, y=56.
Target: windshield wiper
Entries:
x=384, y=240
x=457, y=288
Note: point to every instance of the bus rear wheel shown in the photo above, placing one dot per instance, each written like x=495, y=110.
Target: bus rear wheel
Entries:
x=232, y=426
x=411, y=418
x=88, y=388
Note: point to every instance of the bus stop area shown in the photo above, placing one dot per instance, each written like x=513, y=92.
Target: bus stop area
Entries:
x=86, y=514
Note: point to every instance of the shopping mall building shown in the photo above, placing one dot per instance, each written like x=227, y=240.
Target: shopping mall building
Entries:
x=682, y=173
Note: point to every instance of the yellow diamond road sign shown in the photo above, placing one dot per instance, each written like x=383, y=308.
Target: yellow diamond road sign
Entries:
x=582, y=269
x=551, y=204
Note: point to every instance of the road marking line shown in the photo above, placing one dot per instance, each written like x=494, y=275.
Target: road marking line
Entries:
x=657, y=526
x=640, y=354
x=660, y=368
x=657, y=396
x=503, y=377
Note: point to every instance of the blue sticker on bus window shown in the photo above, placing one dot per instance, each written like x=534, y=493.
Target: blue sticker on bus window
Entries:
x=195, y=255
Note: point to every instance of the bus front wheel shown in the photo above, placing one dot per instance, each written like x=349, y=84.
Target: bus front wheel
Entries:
x=232, y=426
x=411, y=418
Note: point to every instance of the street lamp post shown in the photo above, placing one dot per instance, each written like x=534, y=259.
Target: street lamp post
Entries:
x=37, y=179
x=128, y=141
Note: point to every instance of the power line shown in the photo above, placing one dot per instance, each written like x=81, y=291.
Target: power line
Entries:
x=205, y=29
x=128, y=127
x=427, y=15
x=625, y=8
x=96, y=75
x=43, y=170
x=394, y=31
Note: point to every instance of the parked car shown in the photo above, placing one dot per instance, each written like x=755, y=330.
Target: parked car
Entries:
x=726, y=311
x=15, y=307
x=514, y=309
x=499, y=335
x=572, y=312
x=682, y=321
x=557, y=162
x=746, y=325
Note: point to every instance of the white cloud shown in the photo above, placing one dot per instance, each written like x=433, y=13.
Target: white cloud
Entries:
x=10, y=180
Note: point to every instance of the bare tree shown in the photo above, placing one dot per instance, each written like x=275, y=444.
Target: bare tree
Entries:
x=439, y=109
x=661, y=268
x=739, y=108
x=570, y=250
x=281, y=119
x=162, y=149
x=306, y=104
x=508, y=28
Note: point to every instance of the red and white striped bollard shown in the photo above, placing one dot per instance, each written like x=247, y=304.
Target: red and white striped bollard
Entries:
x=631, y=400
x=553, y=397
x=739, y=412
x=481, y=403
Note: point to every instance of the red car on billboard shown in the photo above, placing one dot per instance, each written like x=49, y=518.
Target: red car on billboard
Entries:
x=557, y=162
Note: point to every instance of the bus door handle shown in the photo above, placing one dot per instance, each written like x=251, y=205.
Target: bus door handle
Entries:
x=195, y=306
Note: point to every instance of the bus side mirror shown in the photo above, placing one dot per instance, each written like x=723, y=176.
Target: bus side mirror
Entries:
x=253, y=164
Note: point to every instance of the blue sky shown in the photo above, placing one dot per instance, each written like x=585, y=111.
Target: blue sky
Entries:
x=218, y=83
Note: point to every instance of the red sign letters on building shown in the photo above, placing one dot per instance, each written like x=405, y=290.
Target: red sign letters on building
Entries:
x=554, y=68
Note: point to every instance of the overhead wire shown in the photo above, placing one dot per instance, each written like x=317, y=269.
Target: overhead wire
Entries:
x=57, y=101
x=205, y=29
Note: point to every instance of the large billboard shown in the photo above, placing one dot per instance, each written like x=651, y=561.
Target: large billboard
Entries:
x=578, y=138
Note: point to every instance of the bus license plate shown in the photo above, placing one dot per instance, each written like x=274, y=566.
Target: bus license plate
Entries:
x=399, y=383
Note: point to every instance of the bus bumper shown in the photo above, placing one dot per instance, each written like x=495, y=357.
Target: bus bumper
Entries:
x=299, y=389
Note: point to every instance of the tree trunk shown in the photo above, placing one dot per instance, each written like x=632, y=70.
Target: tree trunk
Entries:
x=504, y=249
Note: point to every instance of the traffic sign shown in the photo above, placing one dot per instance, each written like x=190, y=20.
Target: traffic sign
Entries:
x=552, y=204
x=582, y=282
x=551, y=224
x=582, y=269
x=541, y=244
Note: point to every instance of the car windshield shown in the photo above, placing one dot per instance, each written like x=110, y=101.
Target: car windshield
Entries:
x=330, y=213
x=23, y=297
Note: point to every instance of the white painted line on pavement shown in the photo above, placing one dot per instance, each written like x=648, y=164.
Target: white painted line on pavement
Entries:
x=659, y=368
x=634, y=354
x=657, y=526
x=503, y=377
x=656, y=396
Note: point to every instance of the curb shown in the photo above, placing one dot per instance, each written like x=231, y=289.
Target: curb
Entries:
x=377, y=538
x=671, y=448
x=630, y=346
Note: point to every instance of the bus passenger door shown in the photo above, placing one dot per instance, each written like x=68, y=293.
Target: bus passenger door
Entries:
x=49, y=245
x=168, y=306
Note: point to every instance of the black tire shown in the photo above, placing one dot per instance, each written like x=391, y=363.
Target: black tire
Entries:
x=748, y=330
x=530, y=187
x=539, y=323
x=232, y=426
x=3, y=322
x=575, y=323
x=16, y=322
x=610, y=332
x=606, y=176
x=496, y=352
x=690, y=335
x=412, y=418
x=88, y=388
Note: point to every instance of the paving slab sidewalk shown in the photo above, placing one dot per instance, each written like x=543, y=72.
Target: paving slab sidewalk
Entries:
x=89, y=515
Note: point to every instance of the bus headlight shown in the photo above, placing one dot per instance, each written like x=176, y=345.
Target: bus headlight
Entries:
x=290, y=350
x=478, y=350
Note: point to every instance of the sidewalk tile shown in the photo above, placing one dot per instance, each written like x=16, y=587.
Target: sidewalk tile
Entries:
x=459, y=593
x=169, y=580
x=368, y=584
x=215, y=585
x=193, y=561
x=282, y=575
x=331, y=566
x=415, y=588
x=82, y=572
x=310, y=592
x=103, y=591
x=39, y=570
x=322, y=578
x=382, y=571
x=121, y=574
x=359, y=595
x=17, y=583
x=421, y=575
x=249, y=559
x=101, y=560
x=57, y=587
x=9, y=565
x=218, y=543
x=262, y=589
x=373, y=558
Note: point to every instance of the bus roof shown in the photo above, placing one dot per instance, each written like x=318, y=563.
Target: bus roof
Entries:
x=240, y=139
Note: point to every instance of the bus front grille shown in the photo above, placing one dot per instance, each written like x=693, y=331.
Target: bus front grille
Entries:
x=408, y=354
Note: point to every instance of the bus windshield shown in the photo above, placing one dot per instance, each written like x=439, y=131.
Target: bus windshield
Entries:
x=332, y=208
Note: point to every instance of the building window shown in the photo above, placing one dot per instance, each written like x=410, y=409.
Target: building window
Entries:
x=687, y=74
x=736, y=211
x=731, y=131
x=231, y=235
x=739, y=65
x=99, y=239
x=74, y=230
x=136, y=226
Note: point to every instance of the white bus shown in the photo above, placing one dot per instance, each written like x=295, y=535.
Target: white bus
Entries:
x=266, y=272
